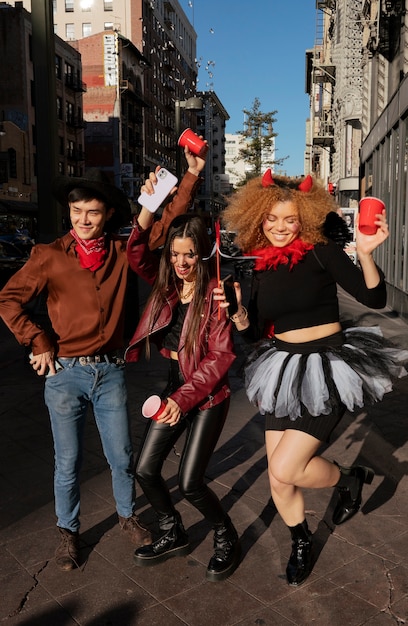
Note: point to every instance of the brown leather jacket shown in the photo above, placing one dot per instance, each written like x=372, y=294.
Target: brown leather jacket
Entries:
x=205, y=372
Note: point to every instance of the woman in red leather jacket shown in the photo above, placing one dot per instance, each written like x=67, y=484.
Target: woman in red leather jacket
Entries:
x=184, y=320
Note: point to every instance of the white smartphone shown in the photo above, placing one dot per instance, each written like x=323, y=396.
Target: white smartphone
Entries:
x=165, y=183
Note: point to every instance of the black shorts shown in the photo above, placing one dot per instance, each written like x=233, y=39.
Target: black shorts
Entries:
x=320, y=427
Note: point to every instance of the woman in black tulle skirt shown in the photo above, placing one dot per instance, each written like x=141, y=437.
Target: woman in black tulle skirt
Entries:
x=304, y=371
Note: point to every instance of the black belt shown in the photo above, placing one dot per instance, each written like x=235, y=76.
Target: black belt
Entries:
x=100, y=358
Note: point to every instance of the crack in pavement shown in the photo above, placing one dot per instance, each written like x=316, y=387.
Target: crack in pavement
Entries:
x=26, y=595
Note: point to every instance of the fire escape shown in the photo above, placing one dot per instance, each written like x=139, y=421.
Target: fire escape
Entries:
x=323, y=76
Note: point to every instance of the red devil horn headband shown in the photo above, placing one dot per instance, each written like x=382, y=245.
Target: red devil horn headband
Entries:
x=267, y=179
x=304, y=186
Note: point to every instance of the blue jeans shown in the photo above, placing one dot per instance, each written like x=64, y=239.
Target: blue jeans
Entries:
x=68, y=395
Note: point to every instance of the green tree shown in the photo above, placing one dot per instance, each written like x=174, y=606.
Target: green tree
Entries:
x=258, y=151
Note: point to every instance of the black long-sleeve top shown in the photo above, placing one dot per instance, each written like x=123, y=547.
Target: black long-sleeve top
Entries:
x=306, y=295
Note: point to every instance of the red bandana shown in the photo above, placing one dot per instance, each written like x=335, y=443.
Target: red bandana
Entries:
x=92, y=252
x=271, y=257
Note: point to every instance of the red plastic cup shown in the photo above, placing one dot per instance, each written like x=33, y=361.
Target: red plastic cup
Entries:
x=370, y=207
x=196, y=145
x=153, y=407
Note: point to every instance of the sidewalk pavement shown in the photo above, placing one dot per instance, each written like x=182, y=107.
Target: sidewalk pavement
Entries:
x=360, y=574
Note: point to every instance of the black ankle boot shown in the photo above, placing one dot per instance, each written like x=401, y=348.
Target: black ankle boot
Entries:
x=349, y=488
x=227, y=551
x=173, y=542
x=300, y=562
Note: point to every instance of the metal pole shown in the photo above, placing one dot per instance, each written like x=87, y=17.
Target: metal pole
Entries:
x=177, y=124
x=49, y=213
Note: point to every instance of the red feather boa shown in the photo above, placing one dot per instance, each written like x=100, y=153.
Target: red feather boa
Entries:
x=272, y=256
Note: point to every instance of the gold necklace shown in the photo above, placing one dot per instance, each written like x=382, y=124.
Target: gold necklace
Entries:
x=187, y=294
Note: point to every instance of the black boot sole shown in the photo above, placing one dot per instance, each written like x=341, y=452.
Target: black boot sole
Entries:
x=147, y=561
x=216, y=577
x=301, y=581
x=343, y=513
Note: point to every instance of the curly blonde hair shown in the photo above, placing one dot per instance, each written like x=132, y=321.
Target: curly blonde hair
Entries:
x=250, y=205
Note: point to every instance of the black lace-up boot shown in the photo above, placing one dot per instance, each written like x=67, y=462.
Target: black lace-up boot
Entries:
x=300, y=562
x=349, y=489
x=227, y=551
x=173, y=542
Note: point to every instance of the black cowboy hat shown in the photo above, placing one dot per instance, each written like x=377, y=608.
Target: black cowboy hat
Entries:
x=95, y=181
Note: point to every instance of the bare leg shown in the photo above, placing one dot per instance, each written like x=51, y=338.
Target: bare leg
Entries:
x=292, y=464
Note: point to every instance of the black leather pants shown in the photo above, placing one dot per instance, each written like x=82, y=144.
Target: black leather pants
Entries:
x=203, y=429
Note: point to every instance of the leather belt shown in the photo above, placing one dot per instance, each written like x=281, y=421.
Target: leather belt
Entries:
x=99, y=358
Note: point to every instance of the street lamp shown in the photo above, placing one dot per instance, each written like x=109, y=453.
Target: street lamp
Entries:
x=192, y=104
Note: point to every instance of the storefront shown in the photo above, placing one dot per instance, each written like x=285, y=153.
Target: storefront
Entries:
x=384, y=162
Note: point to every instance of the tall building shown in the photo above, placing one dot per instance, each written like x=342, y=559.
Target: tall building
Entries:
x=234, y=167
x=162, y=33
x=113, y=107
x=334, y=83
x=211, y=123
x=19, y=138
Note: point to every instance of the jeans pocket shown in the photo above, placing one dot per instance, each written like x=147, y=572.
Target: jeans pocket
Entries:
x=58, y=368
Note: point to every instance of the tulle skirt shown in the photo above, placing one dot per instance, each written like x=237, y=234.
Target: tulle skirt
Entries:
x=355, y=366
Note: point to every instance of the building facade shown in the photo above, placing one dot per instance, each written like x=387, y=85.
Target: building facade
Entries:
x=384, y=152
x=211, y=123
x=18, y=131
x=162, y=33
x=357, y=134
x=234, y=166
x=113, y=107
x=140, y=66
x=334, y=83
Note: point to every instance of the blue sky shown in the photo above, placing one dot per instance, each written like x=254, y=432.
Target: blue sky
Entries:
x=257, y=49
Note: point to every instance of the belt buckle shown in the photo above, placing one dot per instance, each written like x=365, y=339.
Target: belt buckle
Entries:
x=83, y=360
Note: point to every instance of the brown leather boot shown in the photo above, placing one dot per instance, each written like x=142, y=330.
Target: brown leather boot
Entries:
x=67, y=553
x=138, y=534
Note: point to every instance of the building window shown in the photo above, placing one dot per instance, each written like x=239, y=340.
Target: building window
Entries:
x=59, y=108
x=86, y=29
x=69, y=113
x=69, y=31
x=108, y=5
x=3, y=168
x=69, y=75
x=70, y=148
x=58, y=67
x=69, y=6
x=108, y=26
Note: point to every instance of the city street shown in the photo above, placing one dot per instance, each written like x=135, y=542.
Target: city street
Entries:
x=360, y=575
